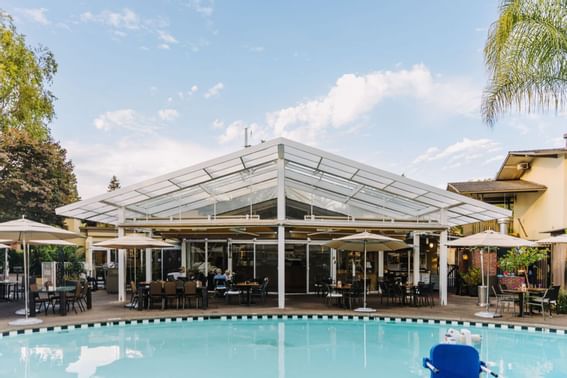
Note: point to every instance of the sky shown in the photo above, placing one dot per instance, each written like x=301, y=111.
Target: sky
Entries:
x=147, y=87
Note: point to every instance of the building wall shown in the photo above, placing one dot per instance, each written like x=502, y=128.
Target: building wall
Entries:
x=539, y=212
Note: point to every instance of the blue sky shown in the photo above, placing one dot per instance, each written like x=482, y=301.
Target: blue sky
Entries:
x=146, y=87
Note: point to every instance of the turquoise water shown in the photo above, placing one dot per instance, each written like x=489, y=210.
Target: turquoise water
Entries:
x=267, y=348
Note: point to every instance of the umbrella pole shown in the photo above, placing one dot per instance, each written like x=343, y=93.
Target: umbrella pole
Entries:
x=365, y=274
x=26, y=278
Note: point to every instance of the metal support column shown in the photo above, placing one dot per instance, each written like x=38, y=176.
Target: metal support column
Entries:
x=416, y=262
x=281, y=228
x=443, y=259
x=121, y=260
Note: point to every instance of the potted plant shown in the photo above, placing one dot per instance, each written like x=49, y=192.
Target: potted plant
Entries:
x=519, y=260
x=472, y=279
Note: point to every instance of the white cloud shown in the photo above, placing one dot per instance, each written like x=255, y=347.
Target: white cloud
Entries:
x=194, y=88
x=353, y=96
x=127, y=119
x=36, y=15
x=463, y=151
x=129, y=160
x=214, y=90
x=125, y=19
x=203, y=7
x=168, y=114
x=218, y=124
x=163, y=46
x=166, y=37
x=255, y=49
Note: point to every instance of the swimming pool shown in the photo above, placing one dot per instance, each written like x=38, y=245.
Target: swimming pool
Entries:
x=270, y=347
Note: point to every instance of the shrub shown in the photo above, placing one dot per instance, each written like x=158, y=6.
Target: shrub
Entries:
x=472, y=277
x=562, y=302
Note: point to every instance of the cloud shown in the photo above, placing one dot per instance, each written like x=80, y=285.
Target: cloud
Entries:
x=463, y=151
x=194, y=89
x=36, y=15
x=125, y=19
x=203, y=7
x=168, y=114
x=126, y=119
x=166, y=37
x=214, y=90
x=163, y=46
x=129, y=160
x=218, y=124
x=353, y=96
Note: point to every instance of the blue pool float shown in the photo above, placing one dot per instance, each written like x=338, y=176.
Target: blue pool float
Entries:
x=455, y=361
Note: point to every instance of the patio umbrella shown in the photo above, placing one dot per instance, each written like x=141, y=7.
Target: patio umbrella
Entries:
x=133, y=242
x=22, y=231
x=364, y=242
x=554, y=239
x=489, y=238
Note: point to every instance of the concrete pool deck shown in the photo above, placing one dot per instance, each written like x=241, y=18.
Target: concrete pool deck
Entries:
x=106, y=309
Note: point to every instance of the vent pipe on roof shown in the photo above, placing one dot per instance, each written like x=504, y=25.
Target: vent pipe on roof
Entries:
x=246, y=144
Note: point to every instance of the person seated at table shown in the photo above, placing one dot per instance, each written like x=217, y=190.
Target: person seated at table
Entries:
x=228, y=276
x=219, y=281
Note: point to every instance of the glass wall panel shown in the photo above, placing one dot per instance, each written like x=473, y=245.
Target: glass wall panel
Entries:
x=295, y=268
x=243, y=261
x=157, y=264
x=196, y=256
x=218, y=256
x=319, y=265
x=134, y=267
x=171, y=261
x=267, y=264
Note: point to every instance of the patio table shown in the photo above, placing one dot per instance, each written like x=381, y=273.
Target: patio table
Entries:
x=522, y=296
x=247, y=286
x=61, y=290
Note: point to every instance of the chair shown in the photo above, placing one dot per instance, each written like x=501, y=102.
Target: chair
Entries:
x=41, y=300
x=232, y=292
x=75, y=297
x=170, y=292
x=332, y=296
x=503, y=298
x=190, y=291
x=134, y=295
x=155, y=294
x=354, y=295
x=548, y=299
x=455, y=360
x=220, y=287
x=262, y=291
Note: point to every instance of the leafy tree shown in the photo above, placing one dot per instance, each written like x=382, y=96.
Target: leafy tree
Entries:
x=526, y=55
x=36, y=178
x=517, y=260
x=26, y=103
x=114, y=184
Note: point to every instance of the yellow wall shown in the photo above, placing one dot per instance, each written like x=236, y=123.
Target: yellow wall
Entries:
x=545, y=210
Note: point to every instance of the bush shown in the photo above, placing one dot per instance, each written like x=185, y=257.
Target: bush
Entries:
x=472, y=277
x=562, y=302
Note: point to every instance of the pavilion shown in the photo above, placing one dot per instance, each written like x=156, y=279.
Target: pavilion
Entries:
x=269, y=208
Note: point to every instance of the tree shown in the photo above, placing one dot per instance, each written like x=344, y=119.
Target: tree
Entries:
x=114, y=184
x=36, y=177
x=526, y=56
x=26, y=103
x=517, y=260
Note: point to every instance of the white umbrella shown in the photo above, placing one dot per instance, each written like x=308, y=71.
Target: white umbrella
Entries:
x=489, y=239
x=23, y=230
x=554, y=239
x=133, y=241
x=364, y=242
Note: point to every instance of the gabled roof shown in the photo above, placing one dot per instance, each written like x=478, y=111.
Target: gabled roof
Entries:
x=511, y=170
x=493, y=186
x=311, y=176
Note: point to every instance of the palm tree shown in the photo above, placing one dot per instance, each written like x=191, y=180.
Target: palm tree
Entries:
x=526, y=55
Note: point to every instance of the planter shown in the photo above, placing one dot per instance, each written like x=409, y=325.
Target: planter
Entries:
x=472, y=290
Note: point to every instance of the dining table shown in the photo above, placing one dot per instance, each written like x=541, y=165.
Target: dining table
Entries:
x=522, y=293
x=247, y=286
x=52, y=291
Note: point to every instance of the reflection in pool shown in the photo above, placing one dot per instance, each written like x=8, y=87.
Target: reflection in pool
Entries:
x=268, y=348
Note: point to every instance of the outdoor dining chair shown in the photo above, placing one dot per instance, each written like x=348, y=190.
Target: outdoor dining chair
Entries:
x=190, y=292
x=548, y=299
x=262, y=291
x=170, y=293
x=155, y=294
x=39, y=299
x=134, y=296
x=503, y=299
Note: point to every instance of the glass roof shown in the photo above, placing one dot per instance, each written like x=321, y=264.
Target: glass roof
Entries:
x=311, y=176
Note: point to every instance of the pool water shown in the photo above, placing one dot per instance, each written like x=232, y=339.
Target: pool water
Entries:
x=268, y=348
